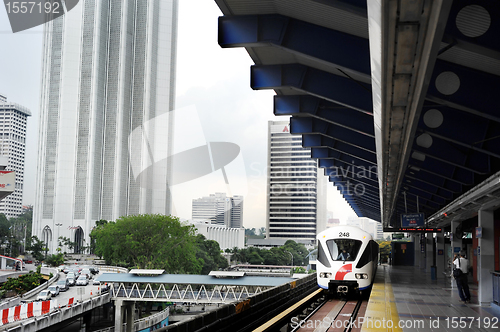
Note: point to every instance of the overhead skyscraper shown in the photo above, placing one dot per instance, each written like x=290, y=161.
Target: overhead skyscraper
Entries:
x=108, y=68
x=296, y=189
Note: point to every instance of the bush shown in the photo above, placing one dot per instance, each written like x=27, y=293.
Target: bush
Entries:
x=23, y=283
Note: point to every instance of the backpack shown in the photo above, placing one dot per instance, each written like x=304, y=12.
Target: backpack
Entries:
x=457, y=273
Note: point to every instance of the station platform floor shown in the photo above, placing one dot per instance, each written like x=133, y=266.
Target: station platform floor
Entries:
x=404, y=298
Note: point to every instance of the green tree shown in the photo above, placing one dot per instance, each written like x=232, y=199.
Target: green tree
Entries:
x=37, y=247
x=250, y=231
x=23, y=283
x=55, y=260
x=149, y=242
x=210, y=254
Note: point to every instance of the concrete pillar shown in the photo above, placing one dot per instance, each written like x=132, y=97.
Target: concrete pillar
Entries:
x=130, y=316
x=421, y=242
x=441, y=255
x=429, y=251
x=87, y=320
x=119, y=313
x=416, y=249
x=456, y=241
x=485, y=257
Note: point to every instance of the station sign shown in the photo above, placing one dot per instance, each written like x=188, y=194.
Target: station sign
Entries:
x=412, y=220
x=412, y=230
x=479, y=232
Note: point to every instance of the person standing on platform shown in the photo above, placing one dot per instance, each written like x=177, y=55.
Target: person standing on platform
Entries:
x=461, y=263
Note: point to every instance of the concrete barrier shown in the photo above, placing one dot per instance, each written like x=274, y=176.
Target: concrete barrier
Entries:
x=42, y=286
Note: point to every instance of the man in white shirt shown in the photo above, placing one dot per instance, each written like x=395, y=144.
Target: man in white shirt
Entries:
x=461, y=263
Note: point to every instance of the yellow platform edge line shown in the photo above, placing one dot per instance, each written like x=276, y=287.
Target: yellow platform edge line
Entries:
x=381, y=313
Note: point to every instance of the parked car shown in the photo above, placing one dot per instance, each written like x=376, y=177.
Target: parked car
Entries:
x=44, y=295
x=71, y=281
x=87, y=272
x=63, y=285
x=96, y=282
x=54, y=290
x=71, y=275
x=82, y=281
x=94, y=270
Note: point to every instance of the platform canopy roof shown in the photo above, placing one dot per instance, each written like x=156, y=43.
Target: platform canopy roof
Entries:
x=395, y=98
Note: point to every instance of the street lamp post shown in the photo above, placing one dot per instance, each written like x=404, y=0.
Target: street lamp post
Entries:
x=57, y=239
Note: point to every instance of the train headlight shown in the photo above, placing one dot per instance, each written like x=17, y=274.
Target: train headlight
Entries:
x=361, y=276
x=325, y=275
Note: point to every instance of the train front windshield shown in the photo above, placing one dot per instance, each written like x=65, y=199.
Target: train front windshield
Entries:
x=343, y=249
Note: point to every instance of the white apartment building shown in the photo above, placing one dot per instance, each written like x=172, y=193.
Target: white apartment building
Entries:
x=108, y=71
x=296, y=188
x=13, y=122
x=227, y=237
x=219, y=210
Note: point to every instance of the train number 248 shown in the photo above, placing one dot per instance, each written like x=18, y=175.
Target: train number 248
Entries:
x=343, y=234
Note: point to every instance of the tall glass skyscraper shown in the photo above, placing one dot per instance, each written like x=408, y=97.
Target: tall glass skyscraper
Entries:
x=296, y=191
x=108, y=68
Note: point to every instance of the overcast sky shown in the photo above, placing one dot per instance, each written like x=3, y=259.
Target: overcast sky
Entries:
x=213, y=81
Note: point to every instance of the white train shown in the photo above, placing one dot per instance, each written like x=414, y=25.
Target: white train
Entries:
x=347, y=260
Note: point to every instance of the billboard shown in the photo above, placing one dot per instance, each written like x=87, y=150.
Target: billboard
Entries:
x=412, y=220
x=7, y=183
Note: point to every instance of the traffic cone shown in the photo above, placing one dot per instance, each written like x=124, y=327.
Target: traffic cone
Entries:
x=91, y=292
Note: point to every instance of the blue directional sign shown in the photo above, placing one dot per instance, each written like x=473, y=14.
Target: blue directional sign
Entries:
x=412, y=220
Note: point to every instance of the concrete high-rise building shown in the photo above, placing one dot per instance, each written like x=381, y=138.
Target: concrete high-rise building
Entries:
x=296, y=188
x=108, y=69
x=219, y=210
x=13, y=121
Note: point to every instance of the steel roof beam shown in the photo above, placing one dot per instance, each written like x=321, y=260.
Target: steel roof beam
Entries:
x=343, y=168
x=304, y=40
x=452, y=85
x=337, y=89
x=411, y=179
x=300, y=125
x=338, y=149
x=309, y=106
x=485, y=44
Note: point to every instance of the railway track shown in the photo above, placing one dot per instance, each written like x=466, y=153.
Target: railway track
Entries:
x=324, y=315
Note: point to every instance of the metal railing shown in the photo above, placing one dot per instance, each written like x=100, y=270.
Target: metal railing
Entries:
x=143, y=323
x=184, y=293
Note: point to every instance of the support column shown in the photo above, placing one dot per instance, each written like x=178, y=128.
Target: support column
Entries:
x=130, y=316
x=429, y=252
x=119, y=313
x=440, y=255
x=456, y=241
x=421, y=244
x=87, y=320
x=485, y=256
